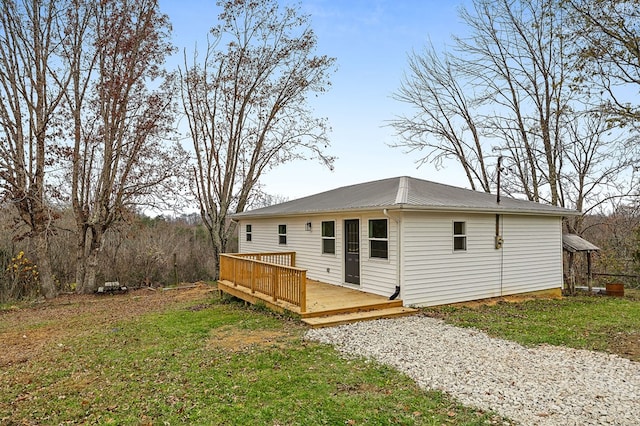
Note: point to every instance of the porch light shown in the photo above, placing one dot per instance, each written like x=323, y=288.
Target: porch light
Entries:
x=307, y=227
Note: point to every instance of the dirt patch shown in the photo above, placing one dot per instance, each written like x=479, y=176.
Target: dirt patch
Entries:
x=239, y=340
x=26, y=333
x=627, y=346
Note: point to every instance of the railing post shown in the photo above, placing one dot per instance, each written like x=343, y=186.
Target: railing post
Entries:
x=293, y=259
x=253, y=276
x=276, y=282
x=303, y=292
x=235, y=269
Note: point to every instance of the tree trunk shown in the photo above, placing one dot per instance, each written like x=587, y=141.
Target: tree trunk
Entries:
x=80, y=257
x=90, y=261
x=45, y=276
x=89, y=285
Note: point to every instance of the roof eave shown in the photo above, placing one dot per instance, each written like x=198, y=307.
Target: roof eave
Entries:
x=488, y=210
x=408, y=208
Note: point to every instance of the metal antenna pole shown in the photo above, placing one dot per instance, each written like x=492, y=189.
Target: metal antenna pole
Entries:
x=499, y=172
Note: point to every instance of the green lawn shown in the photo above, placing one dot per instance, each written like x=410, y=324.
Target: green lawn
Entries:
x=600, y=323
x=206, y=362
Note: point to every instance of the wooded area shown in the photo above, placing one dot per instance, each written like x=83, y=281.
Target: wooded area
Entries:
x=88, y=118
x=138, y=252
x=542, y=93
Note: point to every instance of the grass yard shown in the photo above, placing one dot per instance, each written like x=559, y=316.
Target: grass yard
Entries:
x=602, y=323
x=187, y=357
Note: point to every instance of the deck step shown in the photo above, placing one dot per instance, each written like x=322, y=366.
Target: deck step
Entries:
x=332, y=320
x=366, y=305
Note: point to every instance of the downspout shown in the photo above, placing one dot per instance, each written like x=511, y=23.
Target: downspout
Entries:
x=501, y=248
x=396, y=293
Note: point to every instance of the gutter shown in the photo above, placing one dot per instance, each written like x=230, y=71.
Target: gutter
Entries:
x=410, y=208
x=396, y=293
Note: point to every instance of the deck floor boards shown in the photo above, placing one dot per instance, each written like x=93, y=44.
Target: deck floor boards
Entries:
x=325, y=301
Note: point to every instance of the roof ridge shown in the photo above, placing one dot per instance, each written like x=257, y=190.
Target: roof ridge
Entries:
x=402, y=195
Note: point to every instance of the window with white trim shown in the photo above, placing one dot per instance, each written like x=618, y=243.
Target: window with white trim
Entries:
x=378, y=239
x=282, y=234
x=329, y=237
x=248, y=232
x=459, y=236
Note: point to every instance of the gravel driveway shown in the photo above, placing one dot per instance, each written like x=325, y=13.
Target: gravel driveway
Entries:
x=544, y=385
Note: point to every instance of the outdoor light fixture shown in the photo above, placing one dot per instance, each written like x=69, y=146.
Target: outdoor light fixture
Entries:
x=307, y=227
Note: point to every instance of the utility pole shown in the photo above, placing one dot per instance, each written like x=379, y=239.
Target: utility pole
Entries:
x=499, y=173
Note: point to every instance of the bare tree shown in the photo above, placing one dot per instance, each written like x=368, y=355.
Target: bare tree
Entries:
x=32, y=83
x=121, y=104
x=443, y=122
x=609, y=51
x=508, y=87
x=245, y=102
x=592, y=167
x=510, y=69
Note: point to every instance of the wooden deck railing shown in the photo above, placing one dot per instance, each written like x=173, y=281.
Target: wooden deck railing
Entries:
x=272, y=274
x=285, y=258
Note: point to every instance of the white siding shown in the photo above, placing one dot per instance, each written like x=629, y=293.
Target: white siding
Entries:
x=306, y=244
x=432, y=272
x=532, y=254
x=377, y=276
x=435, y=274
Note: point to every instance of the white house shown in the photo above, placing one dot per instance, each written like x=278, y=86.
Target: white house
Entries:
x=424, y=242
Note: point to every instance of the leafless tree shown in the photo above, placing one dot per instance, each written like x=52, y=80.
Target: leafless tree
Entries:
x=592, y=167
x=32, y=84
x=607, y=33
x=443, y=122
x=507, y=89
x=122, y=109
x=608, y=53
x=246, y=105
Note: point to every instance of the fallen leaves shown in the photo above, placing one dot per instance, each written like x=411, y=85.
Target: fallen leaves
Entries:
x=30, y=332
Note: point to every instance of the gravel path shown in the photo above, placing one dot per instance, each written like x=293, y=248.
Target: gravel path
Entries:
x=544, y=385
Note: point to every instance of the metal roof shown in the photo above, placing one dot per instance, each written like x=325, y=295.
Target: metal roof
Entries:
x=574, y=243
x=405, y=193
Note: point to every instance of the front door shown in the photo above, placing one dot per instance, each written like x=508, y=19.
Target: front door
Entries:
x=352, y=251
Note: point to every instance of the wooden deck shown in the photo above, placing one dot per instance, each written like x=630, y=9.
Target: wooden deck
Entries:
x=326, y=304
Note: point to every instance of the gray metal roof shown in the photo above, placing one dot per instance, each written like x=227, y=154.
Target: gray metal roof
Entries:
x=404, y=193
x=574, y=243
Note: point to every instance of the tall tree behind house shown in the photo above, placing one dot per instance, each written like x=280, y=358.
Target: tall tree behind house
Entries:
x=246, y=104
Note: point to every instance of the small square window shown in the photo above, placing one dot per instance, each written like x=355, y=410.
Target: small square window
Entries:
x=282, y=234
x=378, y=239
x=459, y=236
x=329, y=237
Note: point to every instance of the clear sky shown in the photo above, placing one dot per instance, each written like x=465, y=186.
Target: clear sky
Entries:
x=370, y=40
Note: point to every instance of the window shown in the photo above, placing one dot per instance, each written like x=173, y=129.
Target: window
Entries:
x=282, y=234
x=459, y=236
x=329, y=237
x=248, y=232
x=378, y=242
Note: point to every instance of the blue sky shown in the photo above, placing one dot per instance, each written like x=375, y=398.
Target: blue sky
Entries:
x=370, y=40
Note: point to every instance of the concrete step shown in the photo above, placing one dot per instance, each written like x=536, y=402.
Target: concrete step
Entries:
x=332, y=320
